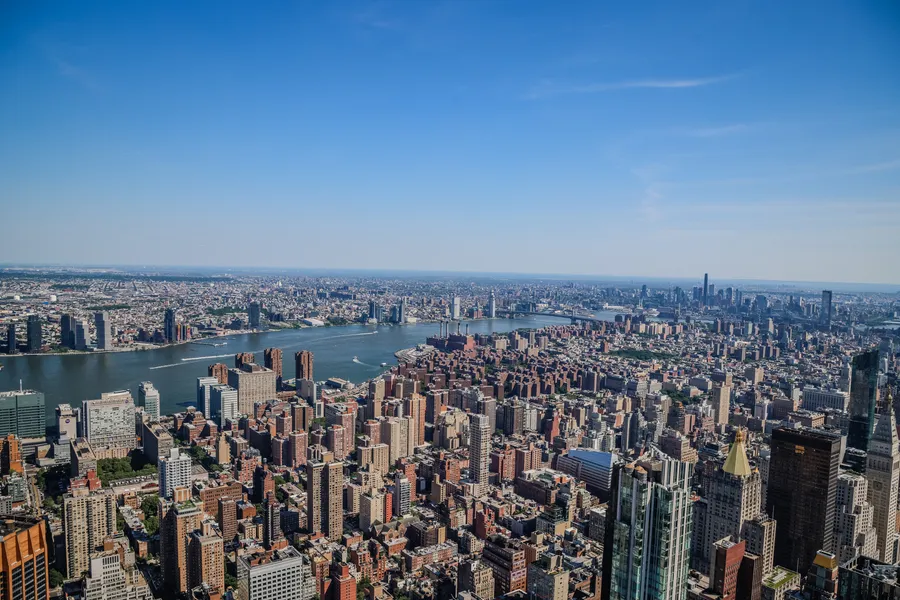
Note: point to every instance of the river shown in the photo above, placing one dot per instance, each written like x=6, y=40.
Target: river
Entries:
x=174, y=369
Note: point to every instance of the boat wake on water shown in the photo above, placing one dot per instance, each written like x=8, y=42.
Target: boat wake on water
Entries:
x=359, y=362
x=190, y=359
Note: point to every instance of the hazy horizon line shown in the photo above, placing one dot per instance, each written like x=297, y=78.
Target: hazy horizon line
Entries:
x=435, y=272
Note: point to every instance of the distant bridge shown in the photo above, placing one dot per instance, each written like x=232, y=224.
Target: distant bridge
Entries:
x=574, y=318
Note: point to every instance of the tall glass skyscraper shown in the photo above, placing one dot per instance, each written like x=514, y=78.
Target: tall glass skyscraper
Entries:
x=863, y=398
x=651, y=531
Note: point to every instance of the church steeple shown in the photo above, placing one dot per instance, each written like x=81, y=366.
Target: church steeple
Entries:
x=737, y=464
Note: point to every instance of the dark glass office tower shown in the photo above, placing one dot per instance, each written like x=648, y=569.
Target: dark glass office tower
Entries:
x=67, y=331
x=863, y=398
x=801, y=494
x=11, y=342
x=35, y=341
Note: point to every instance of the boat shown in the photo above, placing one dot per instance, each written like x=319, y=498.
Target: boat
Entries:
x=384, y=364
x=356, y=358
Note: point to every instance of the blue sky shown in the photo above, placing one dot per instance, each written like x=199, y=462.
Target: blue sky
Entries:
x=746, y=139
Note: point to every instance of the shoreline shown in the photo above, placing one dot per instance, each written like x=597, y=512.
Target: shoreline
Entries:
x=152, y=347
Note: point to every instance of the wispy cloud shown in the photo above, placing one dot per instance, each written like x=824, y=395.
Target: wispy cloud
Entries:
x=65, y=57
x=374, y=17
x=75, y=73
x=706, y=132
x=550, y=88
x=890, y=165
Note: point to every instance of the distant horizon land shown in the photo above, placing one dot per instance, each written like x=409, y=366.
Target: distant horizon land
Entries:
x=147, y=269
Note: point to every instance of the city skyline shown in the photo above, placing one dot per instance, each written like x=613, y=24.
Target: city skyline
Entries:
x=721, y=138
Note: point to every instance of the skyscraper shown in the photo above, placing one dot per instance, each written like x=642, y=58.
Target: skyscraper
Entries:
x=324, y=498
x=492, y=306
x=206, y=559
x=273, y=535
x=479, y=451
x=303, y=365
x=253, y=383
x=721, y=401
x=401, y=312
x=104, y=336
x=109, y=421
x=67, y=331
x=272, y=360
x=174, y=471
x=11, y=342
x=82, y=335
x=733, y=494
x=651, y=530
x=854, y=534
x=455, y=308
x=401, y=494
x=801, y=493
x=148, y=399
x=825, y=313
x=253, y=314
x=24, y=572
x=88, y=517
x=204, y=394
x=170, y=327
x=223, y=404
x=178, y=518
x=863, y=399
x=706, y=289
x=883, y=473
x=35, y=340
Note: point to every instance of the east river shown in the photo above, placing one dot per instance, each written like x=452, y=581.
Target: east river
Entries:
x=174, y=369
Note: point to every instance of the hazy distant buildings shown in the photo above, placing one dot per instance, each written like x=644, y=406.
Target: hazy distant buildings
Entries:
x=706, y=289
x=148, y=399
x=825, y=311
x=104, y=335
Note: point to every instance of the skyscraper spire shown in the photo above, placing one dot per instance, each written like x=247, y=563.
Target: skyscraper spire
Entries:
x=737, y=464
